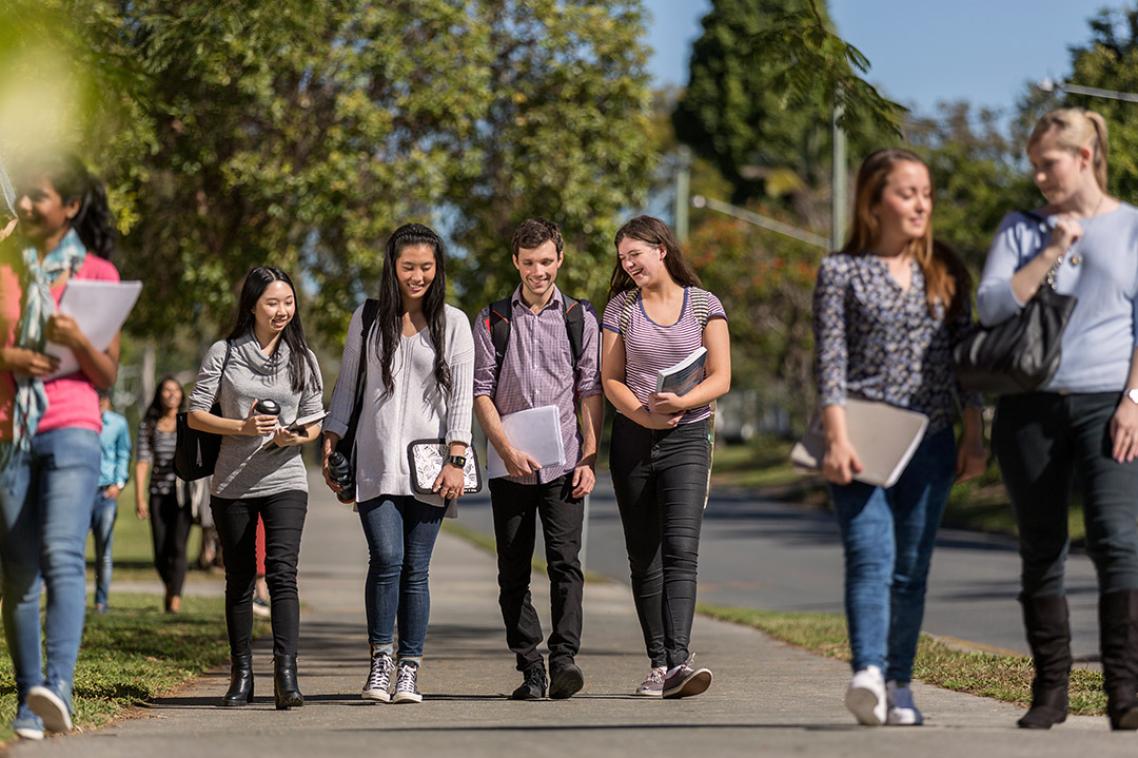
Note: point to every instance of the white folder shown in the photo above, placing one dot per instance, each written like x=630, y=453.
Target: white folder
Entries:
x=536, y=431
x=100, y=308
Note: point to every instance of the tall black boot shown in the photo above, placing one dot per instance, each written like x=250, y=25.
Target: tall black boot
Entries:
x=286, y=692
x=1049, y=636
x=240, y=689
x=1118, y=635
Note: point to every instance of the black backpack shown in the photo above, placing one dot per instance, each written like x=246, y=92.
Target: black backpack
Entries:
x=498, y=323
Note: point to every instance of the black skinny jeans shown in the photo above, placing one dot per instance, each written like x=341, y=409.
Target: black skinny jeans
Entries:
x=236, y=521
x=660, y=478
x=516, y=507
x=1045, y=443
x=169, y=532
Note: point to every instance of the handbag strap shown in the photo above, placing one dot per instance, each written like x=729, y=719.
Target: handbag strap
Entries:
x=224, y=365
x=368, y=317
x=1045, y=228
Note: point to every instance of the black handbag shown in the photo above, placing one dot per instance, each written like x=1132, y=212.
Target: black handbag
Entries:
x=1022, y=353
x=195, y=455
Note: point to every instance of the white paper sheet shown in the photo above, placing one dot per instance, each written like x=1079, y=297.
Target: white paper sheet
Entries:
x=100, y=308
x=536, y=431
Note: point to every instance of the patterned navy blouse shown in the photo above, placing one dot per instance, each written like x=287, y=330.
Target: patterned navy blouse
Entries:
x=875, y=341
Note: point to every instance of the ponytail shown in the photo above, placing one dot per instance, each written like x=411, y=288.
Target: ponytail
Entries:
x=1076, y=128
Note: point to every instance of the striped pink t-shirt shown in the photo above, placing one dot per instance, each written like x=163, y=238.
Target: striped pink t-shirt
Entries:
x=650, y=347
x=72, y=401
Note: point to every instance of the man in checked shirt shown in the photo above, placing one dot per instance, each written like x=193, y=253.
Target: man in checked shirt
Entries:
x=540, y=348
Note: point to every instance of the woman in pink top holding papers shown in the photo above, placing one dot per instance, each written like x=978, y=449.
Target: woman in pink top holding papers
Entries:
x=49, y=430
x=660, y=454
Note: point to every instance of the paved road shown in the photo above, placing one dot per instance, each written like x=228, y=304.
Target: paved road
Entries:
x=771, y=555
x=767, y=698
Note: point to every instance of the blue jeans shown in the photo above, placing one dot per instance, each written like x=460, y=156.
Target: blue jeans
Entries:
x=888, y=536
x=401, y=535
x=103, y=528
x=45, y=511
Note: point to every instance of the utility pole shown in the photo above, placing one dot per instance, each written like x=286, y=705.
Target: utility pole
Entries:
x=683, y=192
x=839, y=180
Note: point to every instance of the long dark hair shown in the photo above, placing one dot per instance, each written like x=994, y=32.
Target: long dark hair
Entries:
x=656, y=233
x=301, y=367
x=156, y=409
x=390, y=317
x=93, y=223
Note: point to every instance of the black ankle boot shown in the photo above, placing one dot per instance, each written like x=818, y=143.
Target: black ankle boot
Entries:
x=240, y=689
x=533, y=684
x=1118, y=635
x=1049, y=635
x=286, y=692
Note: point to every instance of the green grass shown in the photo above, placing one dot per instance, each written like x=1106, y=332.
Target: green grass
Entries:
x=131, y=654
x=1002, y=677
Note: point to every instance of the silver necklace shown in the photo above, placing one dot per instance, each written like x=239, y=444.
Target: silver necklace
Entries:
x=1077, y=259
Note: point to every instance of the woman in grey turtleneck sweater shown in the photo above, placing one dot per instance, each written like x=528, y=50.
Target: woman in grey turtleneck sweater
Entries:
x=259, y=472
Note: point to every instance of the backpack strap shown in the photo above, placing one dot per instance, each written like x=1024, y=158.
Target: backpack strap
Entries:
x=574, y=312
x=626, y=309
x=700, y=305
x=498, y=324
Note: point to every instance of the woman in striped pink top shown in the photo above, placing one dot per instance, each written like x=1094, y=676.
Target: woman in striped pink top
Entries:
x=660, y=455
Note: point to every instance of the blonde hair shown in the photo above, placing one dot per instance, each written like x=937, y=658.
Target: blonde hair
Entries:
x=1076, y=128
x=946, y=279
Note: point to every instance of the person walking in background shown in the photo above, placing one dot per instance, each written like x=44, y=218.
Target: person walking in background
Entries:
x=264, y=365
x=660, y=456
x=418, y=378
x=114, y=470
x=540, y=348
x=887, y=310
x=49, y=431
x=158, y=493
x=1082, y=426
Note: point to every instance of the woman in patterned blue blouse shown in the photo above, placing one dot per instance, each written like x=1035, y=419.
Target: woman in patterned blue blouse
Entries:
x=887, y=310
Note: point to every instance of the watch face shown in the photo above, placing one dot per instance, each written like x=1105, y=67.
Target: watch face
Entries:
x=458, y=460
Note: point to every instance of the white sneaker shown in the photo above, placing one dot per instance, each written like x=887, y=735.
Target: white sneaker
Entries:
x=653, y=684
x=378, y=684
x=902, y=710
x=406, y=684
x=865, y=697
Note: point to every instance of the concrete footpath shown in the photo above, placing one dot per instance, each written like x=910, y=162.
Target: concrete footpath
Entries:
x=767, y=698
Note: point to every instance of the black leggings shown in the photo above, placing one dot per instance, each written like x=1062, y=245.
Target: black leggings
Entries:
x=236, y=520
x=1045, y=443
x=169, y=531
x=660, y=478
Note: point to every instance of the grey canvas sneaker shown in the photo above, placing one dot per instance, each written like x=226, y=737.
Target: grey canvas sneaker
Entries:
x=378, y=684
x=406, y=683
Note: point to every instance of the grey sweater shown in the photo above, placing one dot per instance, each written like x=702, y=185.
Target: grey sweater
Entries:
x=418, y=409
x=243, y=468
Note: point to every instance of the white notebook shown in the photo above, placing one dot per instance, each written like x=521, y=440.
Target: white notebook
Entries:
x=536, y=431
x=884, y=437
x=100, y=308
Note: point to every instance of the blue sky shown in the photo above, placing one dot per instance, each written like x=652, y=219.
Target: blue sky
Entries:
x=922, y=51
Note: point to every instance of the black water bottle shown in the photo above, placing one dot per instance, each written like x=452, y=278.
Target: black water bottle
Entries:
x=340, y=472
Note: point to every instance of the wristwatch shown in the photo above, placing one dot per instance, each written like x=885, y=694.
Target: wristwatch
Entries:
x=459, y=461
x=1132, y=395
